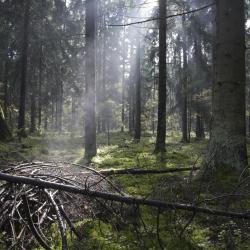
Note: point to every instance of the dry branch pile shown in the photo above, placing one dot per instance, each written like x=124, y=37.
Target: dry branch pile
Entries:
x=27, y=212
x=33, y=196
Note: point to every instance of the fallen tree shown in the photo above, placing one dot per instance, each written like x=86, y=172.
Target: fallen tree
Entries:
x=119, y=198
x=134, y=171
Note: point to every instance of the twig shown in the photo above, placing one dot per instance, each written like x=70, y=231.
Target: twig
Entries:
x=31, y=224
x=60, y=221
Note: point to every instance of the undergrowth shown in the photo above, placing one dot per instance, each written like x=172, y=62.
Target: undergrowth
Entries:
x=143, y=231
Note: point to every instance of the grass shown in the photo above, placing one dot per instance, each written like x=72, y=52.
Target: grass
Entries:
x=204, y=233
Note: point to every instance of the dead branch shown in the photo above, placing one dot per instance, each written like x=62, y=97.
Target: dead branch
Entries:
x=118, y=198
x=31, y=225
x=60, y=221
x=134, y=171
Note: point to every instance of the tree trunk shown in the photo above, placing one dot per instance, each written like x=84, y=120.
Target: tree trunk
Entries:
x=153, y=108
x=103, y=115
x=137, y=135
x=60, y=106
x=161, y=125
x=4, y=130
x=90, y=120
x=227, y=148
x=5, y=81
x=131, y=97
x=33, y=106
x=73, y=113
x=123, y=81
x=21, y=118
x=199, y=131
x=40, y=90
x=184, y=86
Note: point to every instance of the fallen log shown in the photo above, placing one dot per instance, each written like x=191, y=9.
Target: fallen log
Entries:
x=130, y=200
x=137, y=171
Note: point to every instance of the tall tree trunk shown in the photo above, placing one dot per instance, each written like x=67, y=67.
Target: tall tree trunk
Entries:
x=131, y=97
x=33, y=110
x=4, y=130
x=60, y=106
x=40, y=89
x=123, y=81
x=53, y=115
x=161, y=125
x=5, y=81
x=227, y=148
x=103, y=115
x=73, y=113
x=137, y=135
x=153, y=108
x=90, y=119
x=21, y=118
x=199, y=131
x=184, y=86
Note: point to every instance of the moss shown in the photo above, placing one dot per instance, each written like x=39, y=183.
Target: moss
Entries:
x=124, y=153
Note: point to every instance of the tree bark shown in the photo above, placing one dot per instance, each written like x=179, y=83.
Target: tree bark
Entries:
x=227, y=148
x=131, y=96
x=90, y=119
x=33, y=105
x=21, y=118
x=137, y=135
x=184, y=86
x=6, y=86
x=161, y=124
x=40, y=88
x=4, y=130
x=123, y=81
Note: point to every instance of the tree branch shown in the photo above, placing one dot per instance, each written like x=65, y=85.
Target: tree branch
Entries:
x=167, y=17
x=130, y=200
x=145, y=171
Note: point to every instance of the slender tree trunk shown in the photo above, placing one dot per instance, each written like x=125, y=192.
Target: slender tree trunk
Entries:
x=56, y=111
x=123, y=81
x=5, y=81
x=60, y=106
x=137, y=135
x=227, y=148
x=52, y=112
x=131, y=97
x=161, y=125
x=184, y=86
x=33, y=106
x=40, y=90
x=73, y=113
x=103, y=115
x=153, y=108
x=90, y=120
x=199, y=131
x=21, y=118
x=4, y=130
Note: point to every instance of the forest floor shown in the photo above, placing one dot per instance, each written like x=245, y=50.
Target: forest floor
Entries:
x=150, y=229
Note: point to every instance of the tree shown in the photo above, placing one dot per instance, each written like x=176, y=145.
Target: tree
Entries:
x=137, y=135
x=21, y=118
x=184, y=86
x=4, y=130
x=90, y=119
x=161, y=125
x=227, y=147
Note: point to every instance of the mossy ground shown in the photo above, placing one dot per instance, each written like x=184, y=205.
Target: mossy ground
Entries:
x=140, y=230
